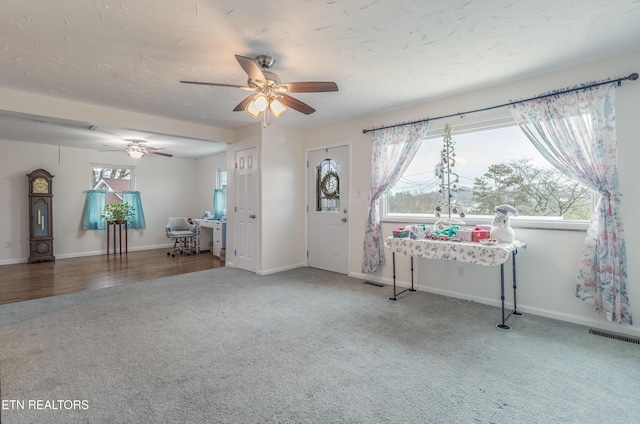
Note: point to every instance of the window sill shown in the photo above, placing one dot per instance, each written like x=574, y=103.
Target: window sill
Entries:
x=524, y=223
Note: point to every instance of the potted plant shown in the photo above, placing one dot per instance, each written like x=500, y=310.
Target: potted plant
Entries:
x=118, y=212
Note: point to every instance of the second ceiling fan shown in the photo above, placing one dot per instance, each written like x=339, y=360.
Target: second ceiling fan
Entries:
x=138, y=148
x=269, y=93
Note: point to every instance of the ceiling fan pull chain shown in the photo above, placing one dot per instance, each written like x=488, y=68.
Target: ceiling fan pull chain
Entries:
x=265, y=118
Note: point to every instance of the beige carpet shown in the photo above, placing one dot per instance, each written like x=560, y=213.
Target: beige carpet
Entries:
x=303, y=346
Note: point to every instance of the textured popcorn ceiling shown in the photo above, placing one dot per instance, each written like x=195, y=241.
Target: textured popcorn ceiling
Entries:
x=382, y=54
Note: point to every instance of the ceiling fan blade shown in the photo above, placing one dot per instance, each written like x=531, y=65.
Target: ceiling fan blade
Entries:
x=212, y=83
x=251, y=68
x=243, y=104
x=296, y=104
x=310, y=87
x=112, y=148
x=154, y=152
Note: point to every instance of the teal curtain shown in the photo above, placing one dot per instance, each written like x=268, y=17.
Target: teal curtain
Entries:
x=219, y=203
x=133, y=199
x=94, y=204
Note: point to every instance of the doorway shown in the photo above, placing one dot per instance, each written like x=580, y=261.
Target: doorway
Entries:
x=328, y=209
x=246, y=223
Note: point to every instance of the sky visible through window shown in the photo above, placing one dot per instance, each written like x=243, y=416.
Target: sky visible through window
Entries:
x=475, y=152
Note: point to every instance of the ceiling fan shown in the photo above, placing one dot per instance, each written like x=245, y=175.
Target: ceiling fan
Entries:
x=269, y=93
x=137, y=148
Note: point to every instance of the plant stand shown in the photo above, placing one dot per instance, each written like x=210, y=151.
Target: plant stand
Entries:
x=118, y=225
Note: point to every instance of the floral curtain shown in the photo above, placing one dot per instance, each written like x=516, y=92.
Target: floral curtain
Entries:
x=94, y=204
x=133, y=199
x=393, y=150
x=575, y=132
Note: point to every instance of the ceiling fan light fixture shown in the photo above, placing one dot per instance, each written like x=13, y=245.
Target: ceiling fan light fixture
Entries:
x=270, y=90
x=260, y=102
x=135, y=153
x=251, y=110
x=277, y=108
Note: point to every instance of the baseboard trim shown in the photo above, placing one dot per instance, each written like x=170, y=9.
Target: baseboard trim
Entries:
x=587, y=322
x=281, y=269
x=83, y=254
x=13, y=261
x=522, y=307
x=369, y=277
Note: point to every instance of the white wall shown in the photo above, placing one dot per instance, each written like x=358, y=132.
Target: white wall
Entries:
x=283, y=199
x=280, y=210
x=161, y=181
x=547, y=268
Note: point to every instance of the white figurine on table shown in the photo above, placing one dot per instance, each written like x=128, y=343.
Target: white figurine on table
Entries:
x=501, y=227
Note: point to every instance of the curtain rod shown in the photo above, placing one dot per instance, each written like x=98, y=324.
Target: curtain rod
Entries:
x=631, y=77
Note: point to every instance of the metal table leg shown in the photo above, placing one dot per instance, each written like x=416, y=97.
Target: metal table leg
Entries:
x=412, y=289
x=396, y=293
x=393, y=256
x=514, y=311
x=502, y=326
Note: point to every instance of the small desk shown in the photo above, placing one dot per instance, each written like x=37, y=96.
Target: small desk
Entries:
x=118, y=225
x=468, y=252
x=218, y=233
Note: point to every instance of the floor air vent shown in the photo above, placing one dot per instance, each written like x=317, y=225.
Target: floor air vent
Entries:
x=371, y=283
x=616, y=336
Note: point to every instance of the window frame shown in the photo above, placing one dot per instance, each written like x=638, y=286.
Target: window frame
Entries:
x=524, y=222
x=132, y=179
x=220, y=179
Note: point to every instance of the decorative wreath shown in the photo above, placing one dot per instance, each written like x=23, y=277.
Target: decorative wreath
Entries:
x=330, y=185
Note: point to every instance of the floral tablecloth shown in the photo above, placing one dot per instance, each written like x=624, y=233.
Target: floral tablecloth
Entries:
x=469, y=252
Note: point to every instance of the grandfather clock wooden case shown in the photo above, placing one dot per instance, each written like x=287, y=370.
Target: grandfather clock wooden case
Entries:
x=40, y=216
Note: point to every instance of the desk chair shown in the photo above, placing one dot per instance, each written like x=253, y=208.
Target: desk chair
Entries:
x=182, y=233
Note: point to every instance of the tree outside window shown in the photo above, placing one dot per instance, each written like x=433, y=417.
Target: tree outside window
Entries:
x=495, y=166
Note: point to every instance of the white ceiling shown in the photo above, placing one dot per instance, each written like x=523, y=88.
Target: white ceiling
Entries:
x=383, y=55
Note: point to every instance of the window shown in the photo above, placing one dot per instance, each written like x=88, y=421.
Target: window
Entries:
x=491, y=166
x=328, y=186
x=221, y=181
x=114, y=179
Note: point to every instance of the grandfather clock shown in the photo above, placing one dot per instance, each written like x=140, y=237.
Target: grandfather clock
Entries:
x=40, y=216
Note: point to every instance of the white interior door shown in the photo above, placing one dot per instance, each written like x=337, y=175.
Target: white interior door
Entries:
x=246, y=220
x=328, y=207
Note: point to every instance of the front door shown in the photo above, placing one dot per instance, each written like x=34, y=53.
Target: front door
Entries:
x=246, y=220
x=328, y=206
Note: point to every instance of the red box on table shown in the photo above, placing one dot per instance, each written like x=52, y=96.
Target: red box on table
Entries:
x=479, y=234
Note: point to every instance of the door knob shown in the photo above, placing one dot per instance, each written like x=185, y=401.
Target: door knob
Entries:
x=252, y=216
x=344, y=219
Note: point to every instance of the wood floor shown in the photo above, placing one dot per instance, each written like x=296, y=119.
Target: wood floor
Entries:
x=20, y=282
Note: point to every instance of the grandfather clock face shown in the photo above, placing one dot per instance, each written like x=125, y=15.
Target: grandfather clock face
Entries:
x=40, y=185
